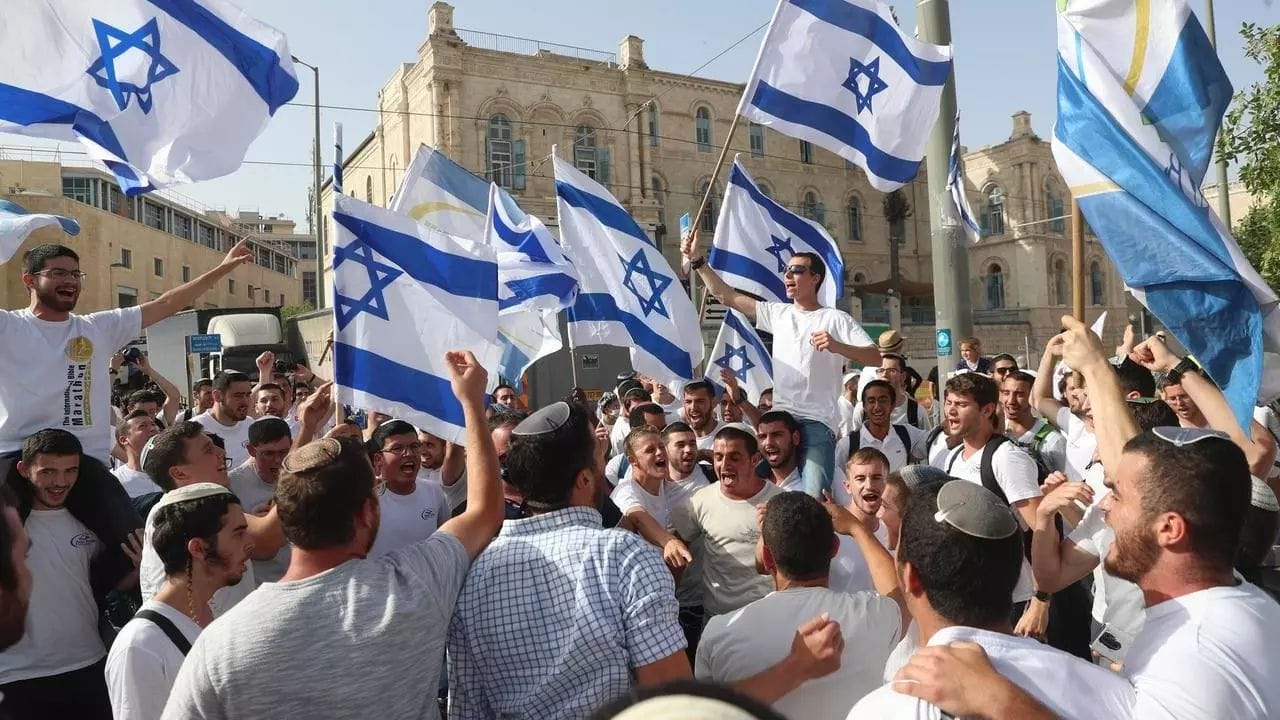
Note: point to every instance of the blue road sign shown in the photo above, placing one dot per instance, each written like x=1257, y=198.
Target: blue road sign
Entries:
x=204, y=343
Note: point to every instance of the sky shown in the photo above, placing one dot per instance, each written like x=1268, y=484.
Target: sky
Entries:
x=1004, y=55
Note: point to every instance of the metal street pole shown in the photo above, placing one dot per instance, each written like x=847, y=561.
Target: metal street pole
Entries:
x=317, y=211
x=1224, y=197
x=950, y=256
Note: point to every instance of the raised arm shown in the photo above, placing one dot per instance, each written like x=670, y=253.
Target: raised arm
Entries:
x=477, y=525
x=185, y=295
x=1082, y=350
x=884, y=572
x=1055, y=562
x=674, y=552
x=718, y=288
x=1042, y=389
x=172, y=397
x=749, y=410
x=312, y=414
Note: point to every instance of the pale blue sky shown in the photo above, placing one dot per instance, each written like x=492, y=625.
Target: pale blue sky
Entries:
x=1004, y=53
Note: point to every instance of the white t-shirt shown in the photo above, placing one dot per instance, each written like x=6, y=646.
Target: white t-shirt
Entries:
x=143, y=663
x=938, y=451
x=689, y=589
x=743, y=643
x=849, y=570
x=408, y=519
x=236, y=437
x=56, y=375
x=629, y=496
x=1116, y=602
x=892, y=447
x=847, y=423
x=1267, y=418
x=1053, y=448
x=793, y=482
x=151, y=574
x=806, y=381
x=62, y=618
x=1082, y=445
x=1208, y=655
x=618, y=435
x=254, y=495
x=1068, y=686
x=707, y=441
x=1016, y=475
x=135, y=482
x=901, y=414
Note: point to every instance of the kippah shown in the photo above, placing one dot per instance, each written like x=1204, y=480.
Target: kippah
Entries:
x=684, y=707
x=187, y=493
x=918, y=476
x=312, y=456
x=142, y=460
x=974, y=510
x=548, y=419
x=1263, y=497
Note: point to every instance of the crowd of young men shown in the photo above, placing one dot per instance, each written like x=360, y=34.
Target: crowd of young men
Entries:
x=1083, y=551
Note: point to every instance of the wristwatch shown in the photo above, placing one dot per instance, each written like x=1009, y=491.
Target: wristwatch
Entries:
x=697, y=264
x=1042, y=596
x=1184, y=366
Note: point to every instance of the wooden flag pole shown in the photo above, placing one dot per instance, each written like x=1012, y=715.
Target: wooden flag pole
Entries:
x=702, y=208
x=1077, y=261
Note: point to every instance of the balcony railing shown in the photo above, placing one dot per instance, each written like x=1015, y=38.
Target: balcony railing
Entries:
x=528, y=46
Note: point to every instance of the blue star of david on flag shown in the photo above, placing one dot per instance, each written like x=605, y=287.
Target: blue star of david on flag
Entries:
x=726, y=361
x=114, y=44
x=874, y=87
x=658, y=283
x=781, y=245
x=380, y=276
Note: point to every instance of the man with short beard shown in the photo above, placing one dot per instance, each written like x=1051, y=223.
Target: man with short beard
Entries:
x=779, y=436
x=254, y=483
x=1074, y=418
x=229, y=417
x=268, y=401
x=411, y=509
x=442, y=465
x=697, y=412
x=200, y=536
x=865, y=479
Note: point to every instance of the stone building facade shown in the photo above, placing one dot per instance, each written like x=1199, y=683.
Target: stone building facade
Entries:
x=497, y=105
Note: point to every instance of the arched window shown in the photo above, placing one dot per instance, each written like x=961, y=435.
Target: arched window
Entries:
x=1060, y=292
x=992, y=221
x=859, y=278
x=765, y=189
x=855, y=220
x=585, y=156
x=653, y=124
x=1096, y=289
x=811, y=208
x=702, y=129
x=995, y=286
x=1053, y=208
x=368, y=189
x=501, y=155
x=707, y=223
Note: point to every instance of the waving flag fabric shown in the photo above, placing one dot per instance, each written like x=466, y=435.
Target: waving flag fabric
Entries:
x=739, y=350
x=628, y=295
x=756, y=237
x=1141, y=94
x=438, y=192
x=533, y=272
x=957, y=212
x=403, y=296
x=160, y=91
x=840, y=74
x=16, y=225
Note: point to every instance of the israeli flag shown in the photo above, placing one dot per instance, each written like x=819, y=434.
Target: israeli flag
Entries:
x=956, y=211
x=756, y=237
x=739, y=350
x=840, y=74
x=160, y=91
x=403, y=296
x=1141, y=94
x=439, y=193
x=628, y=295
x=16, y=224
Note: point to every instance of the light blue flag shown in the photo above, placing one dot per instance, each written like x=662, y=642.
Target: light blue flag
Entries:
x=957, y=212
x=16, y=224
x=739, y=350
x=160, y=91
x=439, y=193
x=840, y=74
x=403, y=296
x=1140, y=96
x=756, y=237
x=628, y=295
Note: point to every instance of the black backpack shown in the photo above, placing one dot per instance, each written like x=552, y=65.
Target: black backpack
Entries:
x=855, y=440
x=913, y=412
x=988, y=476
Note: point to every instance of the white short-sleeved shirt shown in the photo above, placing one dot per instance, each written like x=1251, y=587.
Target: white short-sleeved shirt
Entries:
x=793, y=482
x=61, y=632
x=938, y=452
x=135, y=482
x=1208, y=655
x=1053, y=448
x=901, y=414
x=1016, y=474
x=630, y=496
x=1066, y=685
x=707, y=441
x=409, y=519
x=847, y=423
x=144, y=662
x=151, y=574
x=56, y=375
x=806, y=381
x=740, y=644
x=849, y=570
x=618, y=435
x=235, y=438
x=254, y=494
x=1082, y=445
x=1116, y=602
x=892, y=447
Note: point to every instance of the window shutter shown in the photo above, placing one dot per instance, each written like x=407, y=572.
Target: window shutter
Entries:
x=517, y=158
x=602, y=167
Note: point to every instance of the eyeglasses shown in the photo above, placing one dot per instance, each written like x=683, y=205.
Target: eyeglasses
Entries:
x=60, y=274
x=413, y=449
x=795, y=270
x=1181, y=437
x=1004, y=370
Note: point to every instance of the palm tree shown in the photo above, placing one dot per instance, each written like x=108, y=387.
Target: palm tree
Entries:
x=896, y=211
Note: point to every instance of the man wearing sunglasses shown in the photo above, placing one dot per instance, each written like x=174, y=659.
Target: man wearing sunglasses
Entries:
x=1179, y=497
x=810, y=345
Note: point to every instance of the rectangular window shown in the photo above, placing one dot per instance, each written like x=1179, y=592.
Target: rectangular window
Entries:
x=182, y=226
x=158, y=267
x=126, y=296
x=114, y=198
x=153, y=215
x=126, y=257
x=500, y=162
x=806, y=152
x=756, y=131
x=78, y=189
x=204, y=235
x=250, y=292
x=186, y=273
x=584, y=158
x=231, y=286
x=1056, y=211
x=309, y=288
x=653, y=125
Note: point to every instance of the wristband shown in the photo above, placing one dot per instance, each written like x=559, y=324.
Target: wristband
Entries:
x=696, y=265
x=1184, y=366
x=1042, y=596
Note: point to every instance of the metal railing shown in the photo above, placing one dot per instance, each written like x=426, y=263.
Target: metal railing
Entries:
x=529, y=46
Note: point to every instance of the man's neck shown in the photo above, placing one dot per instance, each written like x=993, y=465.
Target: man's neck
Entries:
x=977, y=440
x=807, y=304
x=400, y=486
x=782, y=472
x=189, y=598
x=651, y=484
x=676, y=476
x=304, y=564
x=782, y=582
x=1022, y=424
x=878, y=430
x=134, y=461
x=870, y=522
x=222, y=416
x=737, y=493
x=931, y=623
x=708, y=427
x=1195, y=421
x=47, y=314
x=1159, y=586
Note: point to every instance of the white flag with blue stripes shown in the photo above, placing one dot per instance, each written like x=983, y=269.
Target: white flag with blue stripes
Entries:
x=956, y=211
x=841, y=75
x=160, y=91
x=439, y=193
x=16, y=225
x=628, y=295
x=1141, y=94
x=756, y=237
x=739, y=350
x=533, y=272
x=403, y=296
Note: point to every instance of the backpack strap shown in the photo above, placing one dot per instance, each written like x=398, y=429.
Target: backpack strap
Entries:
x=855, y=442
x=167, y=627
x=1041, y=435
x=986, y=470
x=913, y=412
x=905, y=437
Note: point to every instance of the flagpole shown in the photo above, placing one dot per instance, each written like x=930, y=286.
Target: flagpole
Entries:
x=1224, y=195
x=1077, y=260
x=339, y=412
x=702, y=208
